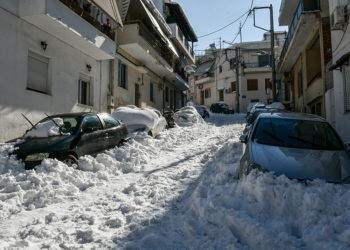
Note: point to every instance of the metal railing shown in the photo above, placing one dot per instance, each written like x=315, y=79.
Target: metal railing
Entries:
x=304, y=6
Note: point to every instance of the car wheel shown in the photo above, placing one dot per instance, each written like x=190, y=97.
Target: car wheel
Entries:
x=70, y=160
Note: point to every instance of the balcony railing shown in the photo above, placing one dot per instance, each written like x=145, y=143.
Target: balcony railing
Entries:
x=154, y=41
x=304, y=6
x=92, y=14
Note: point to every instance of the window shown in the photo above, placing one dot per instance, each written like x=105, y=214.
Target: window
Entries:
x=232, y=63
x=264, y=60
x=166, y=94
x=122, y=75
x=220, y=69
x=347, y=89
x=109, y=121
x=268, y=84
x=84, y=96
x=300, y=83
x=221, y=95
x=91, y=123
x=207, y=93
x=233, y=86
x=38, y=73
x=252, y=84
x=151, y=95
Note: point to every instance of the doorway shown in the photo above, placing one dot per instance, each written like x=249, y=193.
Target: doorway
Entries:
x=137, y=95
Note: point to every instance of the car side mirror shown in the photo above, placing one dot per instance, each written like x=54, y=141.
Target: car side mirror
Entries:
x=347, y=146
x=244, y=138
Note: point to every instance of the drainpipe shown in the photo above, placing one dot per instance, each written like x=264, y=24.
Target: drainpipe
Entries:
x=100, y=105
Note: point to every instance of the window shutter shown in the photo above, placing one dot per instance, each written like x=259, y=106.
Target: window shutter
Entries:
x=126, y=76
x=347, y=89
x=37, y=75
x=119, y=73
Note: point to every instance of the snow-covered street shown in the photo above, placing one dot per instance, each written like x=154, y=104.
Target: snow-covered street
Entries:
x=178, y=191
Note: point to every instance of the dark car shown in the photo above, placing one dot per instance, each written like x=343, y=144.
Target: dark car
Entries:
x=203, y=111
x=81, y=134
x=299, y=146
x=221, y=107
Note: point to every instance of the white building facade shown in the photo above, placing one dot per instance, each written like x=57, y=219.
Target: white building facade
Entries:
x=55, y=58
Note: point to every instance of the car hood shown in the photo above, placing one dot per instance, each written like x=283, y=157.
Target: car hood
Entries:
x=333, y=166
x=41, y=145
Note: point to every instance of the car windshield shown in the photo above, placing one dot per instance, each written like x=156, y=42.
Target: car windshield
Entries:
x=297, y=134
x=253, y=117
x=70, y=123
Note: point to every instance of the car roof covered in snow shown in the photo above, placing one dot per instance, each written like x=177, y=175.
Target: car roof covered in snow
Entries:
x=291, y=115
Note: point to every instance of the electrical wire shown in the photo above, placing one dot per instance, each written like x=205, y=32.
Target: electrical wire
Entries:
x=220, y=29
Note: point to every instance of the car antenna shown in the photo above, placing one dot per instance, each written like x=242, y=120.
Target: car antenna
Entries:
x=27, y=120
x=54, y=123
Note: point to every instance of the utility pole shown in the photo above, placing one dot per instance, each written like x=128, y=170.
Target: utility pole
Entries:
x=240, y=32
x=237, y=78
x=272, y=33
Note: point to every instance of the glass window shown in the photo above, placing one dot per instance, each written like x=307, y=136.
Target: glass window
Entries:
x=92, y=122
x=297, y=134
x=109, y=121
x=84, y=96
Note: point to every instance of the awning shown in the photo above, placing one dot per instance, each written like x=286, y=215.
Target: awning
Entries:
x=203, y=68
x=110, y=8
x=177, y=12
x=340, y=61
x=178, y=82
x=159, y=30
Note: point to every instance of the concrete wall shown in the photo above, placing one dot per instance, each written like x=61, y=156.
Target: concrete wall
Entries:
x=65, y=66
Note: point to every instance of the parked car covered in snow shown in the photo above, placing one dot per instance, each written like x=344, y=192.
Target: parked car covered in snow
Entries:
x=299, y=146
x=203, y=111
x=221, y=107
x=187, y=116
x=137, y=119
x=69, y=136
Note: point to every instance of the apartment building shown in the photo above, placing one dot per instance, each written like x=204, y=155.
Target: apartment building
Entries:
x=306, y=53
x=55, y=58
x=153, y=52
x=337, y=96
x=249, y=62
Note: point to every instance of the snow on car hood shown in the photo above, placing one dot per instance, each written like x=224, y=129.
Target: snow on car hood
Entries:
x=45, y=129
x=187, y=116
x=298, y=163
x=135, y=117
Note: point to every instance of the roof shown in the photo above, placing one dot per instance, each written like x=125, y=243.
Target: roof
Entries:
x=177, y=12
x=292, y=115
x=204, y=67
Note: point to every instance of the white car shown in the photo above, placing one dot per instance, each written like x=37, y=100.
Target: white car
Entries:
x=136, y=119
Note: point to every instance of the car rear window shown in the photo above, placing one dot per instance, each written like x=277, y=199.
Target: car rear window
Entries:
x=297, y=134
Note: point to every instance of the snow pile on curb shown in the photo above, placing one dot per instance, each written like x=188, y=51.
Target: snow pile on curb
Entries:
x=187, y=116
x=46, y=129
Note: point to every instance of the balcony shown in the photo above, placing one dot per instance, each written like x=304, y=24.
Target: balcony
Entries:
x=180, y=40
x=73, y=25
x=255, y=67
x=300, y=29
x=205, y=78
x=139, y=42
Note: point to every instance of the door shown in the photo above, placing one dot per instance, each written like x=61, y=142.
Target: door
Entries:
x=221, y=95
x=94, y=138
x=113, y=129
x=137, y=95
x=202, y=97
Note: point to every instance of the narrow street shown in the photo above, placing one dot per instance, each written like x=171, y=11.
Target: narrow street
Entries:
x=177, y=191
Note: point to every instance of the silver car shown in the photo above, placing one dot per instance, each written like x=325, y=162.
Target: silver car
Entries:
x=296, y=145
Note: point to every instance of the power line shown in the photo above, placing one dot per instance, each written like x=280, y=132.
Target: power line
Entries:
x=236, y=20
x=249, y=12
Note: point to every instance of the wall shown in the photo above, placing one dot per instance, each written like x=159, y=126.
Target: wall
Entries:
x=66, y=63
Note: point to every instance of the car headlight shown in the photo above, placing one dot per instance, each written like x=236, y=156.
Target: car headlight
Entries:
x=37, y=157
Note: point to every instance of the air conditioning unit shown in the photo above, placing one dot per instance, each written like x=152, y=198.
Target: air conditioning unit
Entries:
x=228, y=90
x=110, y=101
x=200, y=86
x=338, y=17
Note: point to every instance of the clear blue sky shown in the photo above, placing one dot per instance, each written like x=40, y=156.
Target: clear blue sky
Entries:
x=209, y=15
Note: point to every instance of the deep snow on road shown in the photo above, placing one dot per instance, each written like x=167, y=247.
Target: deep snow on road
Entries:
x=178, y=191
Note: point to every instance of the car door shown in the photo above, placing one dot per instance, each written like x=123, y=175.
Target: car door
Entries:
x=114, y=130
x=94, y=138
